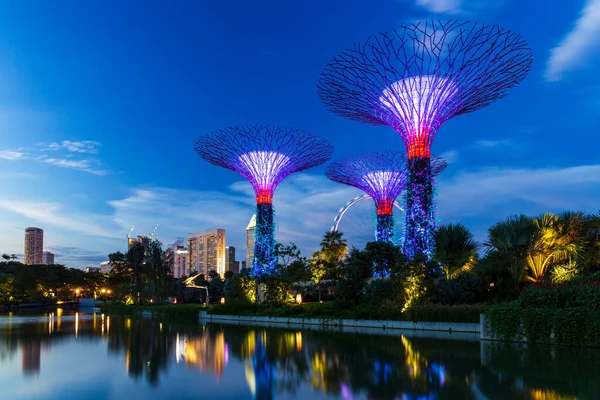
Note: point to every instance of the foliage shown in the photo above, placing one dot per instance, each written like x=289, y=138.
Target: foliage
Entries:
x=562, y=296
x=565, y=272
x=419, y=278
x=512, y=239
x=215, y=286
x=555, y=240
x=278, y=290
x=561, y=326
x=135, y=258
x=387, y=310
x=455, y=249
x=240, y=287
x=385, y=259
x=382, y=289
x=333, y=247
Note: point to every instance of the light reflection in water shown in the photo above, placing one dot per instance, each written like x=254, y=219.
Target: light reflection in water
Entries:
x=278, y=362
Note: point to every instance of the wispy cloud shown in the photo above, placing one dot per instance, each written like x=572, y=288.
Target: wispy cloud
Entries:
x=456, y=7
x=67, y=153
x=58, y=215
x=13, y=154
x=79, y=165
x=441, y=6
x=577, y=45
x=305, y=206
x=83, y=146
x=488, y=143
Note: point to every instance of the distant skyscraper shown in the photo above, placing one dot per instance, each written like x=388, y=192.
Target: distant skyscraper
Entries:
x=105, y=267
x=34, y=246
x=177, y=254
x=47, y=258
x=232, y=264
x=143, y=240
x=250, y=241
x=207, y=251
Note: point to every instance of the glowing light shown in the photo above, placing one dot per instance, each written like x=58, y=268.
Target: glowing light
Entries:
x=265, y=167
x=420, y=104
x=298, y=298
x=432, y=72
x=298, y=341
x=382, y=176
x=76, y=324
x=222, y=300
x=264, y=155
x=384, y=183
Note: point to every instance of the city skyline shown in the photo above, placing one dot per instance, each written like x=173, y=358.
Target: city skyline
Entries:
x=91, y=139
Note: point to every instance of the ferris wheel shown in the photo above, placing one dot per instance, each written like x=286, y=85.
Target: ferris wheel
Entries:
x=342, y=212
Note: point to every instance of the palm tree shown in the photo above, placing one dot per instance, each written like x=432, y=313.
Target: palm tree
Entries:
x=333, y=247
x=512, y=239
x=455, y=248
x=556, y=241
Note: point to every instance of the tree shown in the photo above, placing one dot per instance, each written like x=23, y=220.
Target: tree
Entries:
x=286, y=254
x=215, y=285
x=333, y=247
x=385, y=259
x=455, y=249
x=556, y=240
x=512, y=239
x=6, y=257
x=291, y=265
x=157, y=268
x=135, y=258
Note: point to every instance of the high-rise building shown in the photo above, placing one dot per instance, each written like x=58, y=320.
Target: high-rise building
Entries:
x=105, y=267
x=34, y=246
x=230, y=262
x=143, y=240
x=177, y=256
x=250, y=241
x=207, y=251
x=47, y=258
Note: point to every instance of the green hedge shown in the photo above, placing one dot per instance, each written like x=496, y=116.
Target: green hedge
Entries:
x=388, y=310
x=562, y=326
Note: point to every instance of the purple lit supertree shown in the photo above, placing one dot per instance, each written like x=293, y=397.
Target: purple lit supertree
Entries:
x=413, y=80
x=264, y=155
x=382, y=176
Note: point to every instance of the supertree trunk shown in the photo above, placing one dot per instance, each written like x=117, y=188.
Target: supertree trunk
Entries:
x=264, y=241
x=384, y=232
x=420, y=218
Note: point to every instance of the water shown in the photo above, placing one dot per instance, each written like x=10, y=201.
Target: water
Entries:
x=91, y=356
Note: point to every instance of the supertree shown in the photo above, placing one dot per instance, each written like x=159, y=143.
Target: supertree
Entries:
x=414, y=79
x=382, y=176
x=264, y=155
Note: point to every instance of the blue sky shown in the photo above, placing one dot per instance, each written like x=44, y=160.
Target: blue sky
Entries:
x=100, y=103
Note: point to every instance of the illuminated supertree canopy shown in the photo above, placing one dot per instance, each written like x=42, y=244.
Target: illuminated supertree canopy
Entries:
x=414, y=79
x=380, y=175
x=264, y=155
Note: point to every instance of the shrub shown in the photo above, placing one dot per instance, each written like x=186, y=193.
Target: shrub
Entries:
x=561, y=326
x=379, y=290
x=278, y=291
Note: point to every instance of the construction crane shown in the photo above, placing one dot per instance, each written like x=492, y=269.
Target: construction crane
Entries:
x=154, y=231
x=128, y=236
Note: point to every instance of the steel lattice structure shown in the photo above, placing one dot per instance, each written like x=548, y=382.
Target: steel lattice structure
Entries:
x=264, y=155
x=382, y=176
x=413, y=80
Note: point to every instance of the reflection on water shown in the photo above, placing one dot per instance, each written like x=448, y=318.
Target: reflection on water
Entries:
x=173, y=361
